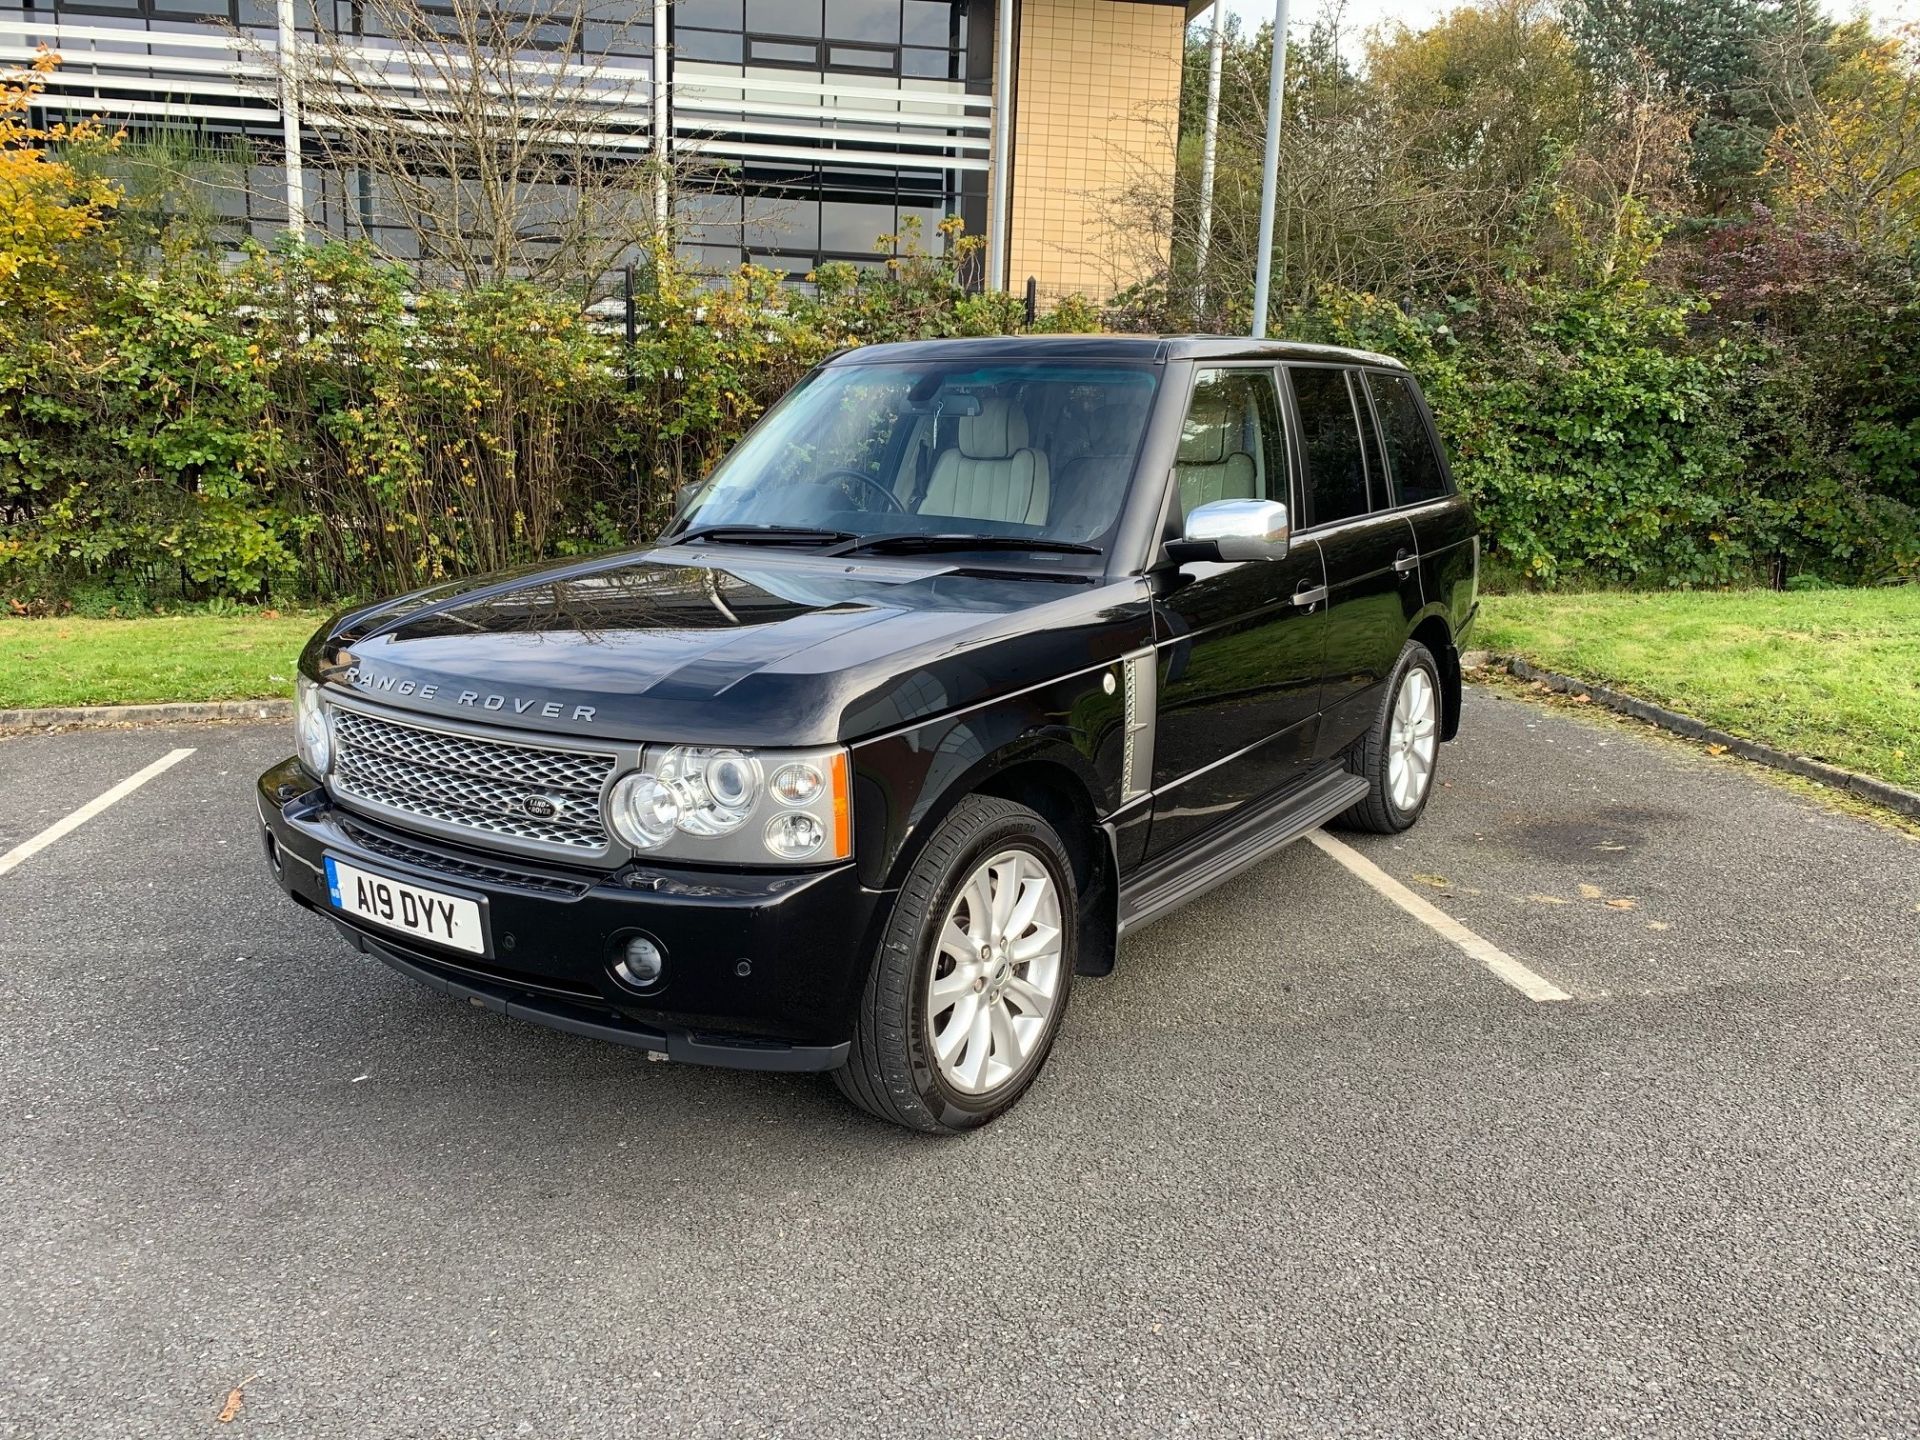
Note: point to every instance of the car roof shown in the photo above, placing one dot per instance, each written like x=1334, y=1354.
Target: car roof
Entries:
x=1140, y=349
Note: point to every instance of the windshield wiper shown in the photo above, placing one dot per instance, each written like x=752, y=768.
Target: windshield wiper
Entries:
x=762, y=535
x=910, y=543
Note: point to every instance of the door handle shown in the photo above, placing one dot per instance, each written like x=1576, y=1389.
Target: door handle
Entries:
x=1308, y=596
x=1406, y=560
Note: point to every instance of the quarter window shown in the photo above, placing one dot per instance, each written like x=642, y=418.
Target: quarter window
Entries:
x=1412, y=458
x=1231, y=442
x=1336, y=478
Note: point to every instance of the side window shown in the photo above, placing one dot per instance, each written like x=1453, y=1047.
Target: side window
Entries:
x=1336, y=478
x=1231, y=444
x=1411, y=457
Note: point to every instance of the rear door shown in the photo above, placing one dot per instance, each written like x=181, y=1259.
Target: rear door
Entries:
x=1445, y=533
x=1239, y=663
x=1371, y=556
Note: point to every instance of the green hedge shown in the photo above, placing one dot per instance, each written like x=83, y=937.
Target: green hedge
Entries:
x=302, y=426
x=1606, y=445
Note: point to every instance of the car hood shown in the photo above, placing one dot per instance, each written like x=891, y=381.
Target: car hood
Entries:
x=726, y=644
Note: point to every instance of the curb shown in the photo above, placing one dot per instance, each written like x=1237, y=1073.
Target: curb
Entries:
x=73, y=717
x=1893, y=797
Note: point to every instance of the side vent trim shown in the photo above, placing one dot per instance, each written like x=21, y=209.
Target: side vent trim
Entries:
x=1142, y=707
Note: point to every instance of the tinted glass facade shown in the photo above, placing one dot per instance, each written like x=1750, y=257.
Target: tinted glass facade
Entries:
x=839, y=60
x=804, y=129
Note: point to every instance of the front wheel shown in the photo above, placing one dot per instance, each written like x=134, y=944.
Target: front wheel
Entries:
x=967, y=993
x=1396, y=756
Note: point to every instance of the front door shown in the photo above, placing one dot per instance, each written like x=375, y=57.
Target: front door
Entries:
x=1239, y=661
x=1372, y=558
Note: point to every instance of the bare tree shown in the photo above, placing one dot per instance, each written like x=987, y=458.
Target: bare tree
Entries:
x=1427, y=170
x=504, y=139
x=1846, y=153
x=1633, y=161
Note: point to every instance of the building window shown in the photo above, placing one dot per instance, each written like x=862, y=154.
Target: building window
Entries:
x=718, y=47
x=861, y=57
x=784, y=17
x=710, y=14
x=877, y=21
x=796, y=220
x=913, y=39
x=782, y=52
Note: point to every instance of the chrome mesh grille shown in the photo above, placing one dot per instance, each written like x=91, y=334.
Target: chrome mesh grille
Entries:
x=468, y=783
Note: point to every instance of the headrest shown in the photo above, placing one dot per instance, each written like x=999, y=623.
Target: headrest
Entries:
x=1203, y=435
x=1106, y=430
x=995, y=433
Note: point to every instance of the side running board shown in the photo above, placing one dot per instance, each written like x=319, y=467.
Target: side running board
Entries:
x=1246, y=843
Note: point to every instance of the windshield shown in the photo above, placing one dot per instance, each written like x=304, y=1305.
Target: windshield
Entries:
x=1022, y=455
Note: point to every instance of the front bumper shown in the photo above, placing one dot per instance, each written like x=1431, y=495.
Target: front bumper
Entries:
x=763, y=968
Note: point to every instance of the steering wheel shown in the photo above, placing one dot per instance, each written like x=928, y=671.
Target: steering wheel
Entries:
x=892, y=500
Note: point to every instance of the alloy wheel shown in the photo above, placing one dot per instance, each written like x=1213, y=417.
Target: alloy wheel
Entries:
x=997, y=973
x=1412, y=741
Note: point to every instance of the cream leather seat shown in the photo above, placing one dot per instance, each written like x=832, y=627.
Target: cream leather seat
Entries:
x=1207, y=466
x=991, y=474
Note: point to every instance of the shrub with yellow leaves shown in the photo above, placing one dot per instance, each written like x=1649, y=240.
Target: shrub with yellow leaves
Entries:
x=47, y=206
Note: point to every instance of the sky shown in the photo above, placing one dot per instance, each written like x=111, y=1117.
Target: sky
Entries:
x=1362, y=15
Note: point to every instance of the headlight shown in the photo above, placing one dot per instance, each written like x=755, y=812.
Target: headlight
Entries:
x=717, y=789
x=312, y=731
x=645, y=811
x=697, y=802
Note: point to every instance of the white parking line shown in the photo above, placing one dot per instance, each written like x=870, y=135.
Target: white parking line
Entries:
x=26, y=849
x=1503, y=965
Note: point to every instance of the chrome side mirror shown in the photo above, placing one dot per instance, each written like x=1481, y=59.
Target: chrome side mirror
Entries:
x=1235, y=530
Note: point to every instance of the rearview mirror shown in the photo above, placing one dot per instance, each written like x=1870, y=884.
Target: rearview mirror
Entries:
x=1235, y=530
x=950, y=403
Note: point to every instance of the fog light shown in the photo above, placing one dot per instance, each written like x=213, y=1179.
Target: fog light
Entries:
x=641, y=964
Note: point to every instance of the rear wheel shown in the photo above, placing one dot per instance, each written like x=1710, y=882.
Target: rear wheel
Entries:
x=1396, y=756
x=967, y=993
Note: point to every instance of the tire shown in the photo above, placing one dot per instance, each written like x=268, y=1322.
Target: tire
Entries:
x=1389, y=808
x=912, y=1064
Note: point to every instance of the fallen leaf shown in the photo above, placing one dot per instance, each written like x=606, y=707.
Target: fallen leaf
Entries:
x=1435, y=882
x=1591, y=892
x=1547, y=900
x=1583, y=699
x=1716, y=749
x=234, y=1400
x=1623, y=903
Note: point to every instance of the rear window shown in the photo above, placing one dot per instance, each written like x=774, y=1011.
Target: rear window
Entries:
x=1413, y=460
x=1336, y=479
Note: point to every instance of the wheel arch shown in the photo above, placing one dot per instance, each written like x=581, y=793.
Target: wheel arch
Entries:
x=1433, y=631
x=1062, y=798
x=1052, y=776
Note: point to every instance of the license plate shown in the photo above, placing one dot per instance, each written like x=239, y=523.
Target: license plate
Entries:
x=410, y=909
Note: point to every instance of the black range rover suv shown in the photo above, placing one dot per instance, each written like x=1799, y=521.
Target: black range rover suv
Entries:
x=972, y=657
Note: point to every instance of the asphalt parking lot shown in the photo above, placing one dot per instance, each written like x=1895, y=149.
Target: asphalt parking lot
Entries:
x=1301, y=1166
